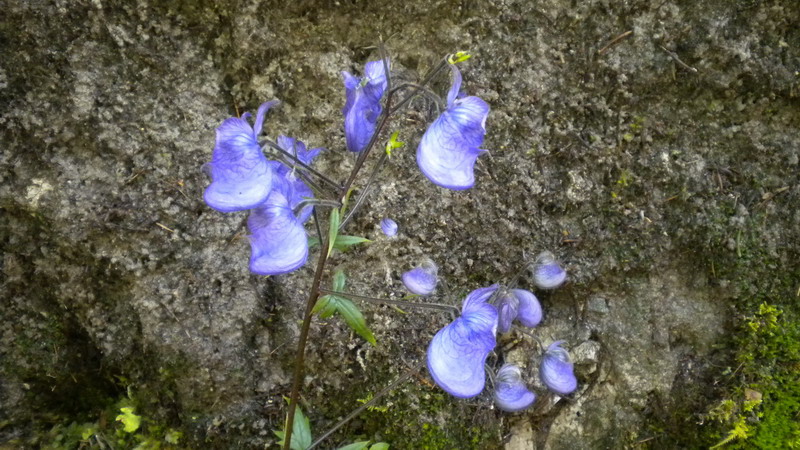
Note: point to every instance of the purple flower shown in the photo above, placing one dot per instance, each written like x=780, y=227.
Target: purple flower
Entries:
x=363, y=105
x=556, y=370
x=517, y=304
x=511, y=394
x=421, y=280
x=449, y=148
x=294, y=189
x=457, y=353
x=547, y=273
x=278, y=240
x=240, y=173
x=389, y=227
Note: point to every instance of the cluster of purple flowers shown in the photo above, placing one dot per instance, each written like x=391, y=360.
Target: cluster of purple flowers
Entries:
x=450, y=146
x=457, y=353
x=244, y=179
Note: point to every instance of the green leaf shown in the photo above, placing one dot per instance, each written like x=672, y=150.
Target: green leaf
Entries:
x=338, y=281
x=380, y=446
x=313, y=241
x=343, y=241
x=346, y=200
x=173, y=436
x=355, y=320
x=333, y=230
x=321, y=304
x=130, y=420
x=301, y=432
x=355, y=446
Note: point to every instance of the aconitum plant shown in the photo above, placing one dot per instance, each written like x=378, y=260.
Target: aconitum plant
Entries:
x=275, y=182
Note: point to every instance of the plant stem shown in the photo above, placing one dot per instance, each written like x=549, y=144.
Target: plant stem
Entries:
x=436, y=306
x=296, y=161
x=363, y=194
x=299, y=360
x=313, y=294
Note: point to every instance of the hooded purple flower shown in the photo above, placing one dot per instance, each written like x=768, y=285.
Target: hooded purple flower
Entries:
x=458, y=352
x=421, y=280
x=518, y=304
x=241, y=175
x=295, y=189
x=556, y=370
x=278, y=240
x=511, y=394
x=363, y=105
x=449, y=148
x=547, y=273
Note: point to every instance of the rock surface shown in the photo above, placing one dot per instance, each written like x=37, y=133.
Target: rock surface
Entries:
x=636, y=140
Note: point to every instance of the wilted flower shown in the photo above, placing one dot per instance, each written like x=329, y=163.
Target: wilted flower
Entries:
x=389, y=227
x=557, y=371
x=363, y=105
x=517, y=304
x=547, y=273
x=511, y=394
x=457, y=353
x=421, y=280
x=449, y=148
x=241, y=175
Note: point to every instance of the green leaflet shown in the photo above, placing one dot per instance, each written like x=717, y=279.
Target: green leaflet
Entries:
x=328, y=305
x=341, y=243
x=301, y=432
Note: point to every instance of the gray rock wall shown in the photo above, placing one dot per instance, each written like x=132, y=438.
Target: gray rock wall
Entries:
x=639, y=162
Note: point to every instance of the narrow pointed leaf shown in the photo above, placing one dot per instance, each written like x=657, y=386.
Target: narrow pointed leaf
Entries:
x=338, y=281
x=380, y=446
x=321, y=304
x=354, y=319
x=333, y=230
x=344, y=241
x=355, y=446
x=301, y=432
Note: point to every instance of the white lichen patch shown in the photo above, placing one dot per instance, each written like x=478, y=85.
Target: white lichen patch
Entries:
x=36, y=190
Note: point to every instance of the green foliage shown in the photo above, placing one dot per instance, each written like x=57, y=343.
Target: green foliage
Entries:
x=130, y=420
x=341, y=243
x=364, y=444
x=333, y=230
x=301, y=432
x=768, y=400
x=328, y=305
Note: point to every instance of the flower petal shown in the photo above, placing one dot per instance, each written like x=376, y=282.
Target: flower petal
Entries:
x=530, y=310
x=241, y=177
x=421, y=280
x=449, y=147
x=262, y=112
x=389, y=227
x=455, y=87
x=557, y=371
x=363, y=105
x=511, y=394
x=278, y=241
x=507, y=309
x=457, y=353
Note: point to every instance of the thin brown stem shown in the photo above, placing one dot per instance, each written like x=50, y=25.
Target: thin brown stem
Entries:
x=299, y=359
x=363, y=194
x=401, y=379
x=386, y=301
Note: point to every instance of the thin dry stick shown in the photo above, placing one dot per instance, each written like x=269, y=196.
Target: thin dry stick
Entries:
x=675, y=57
x=614, y=42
